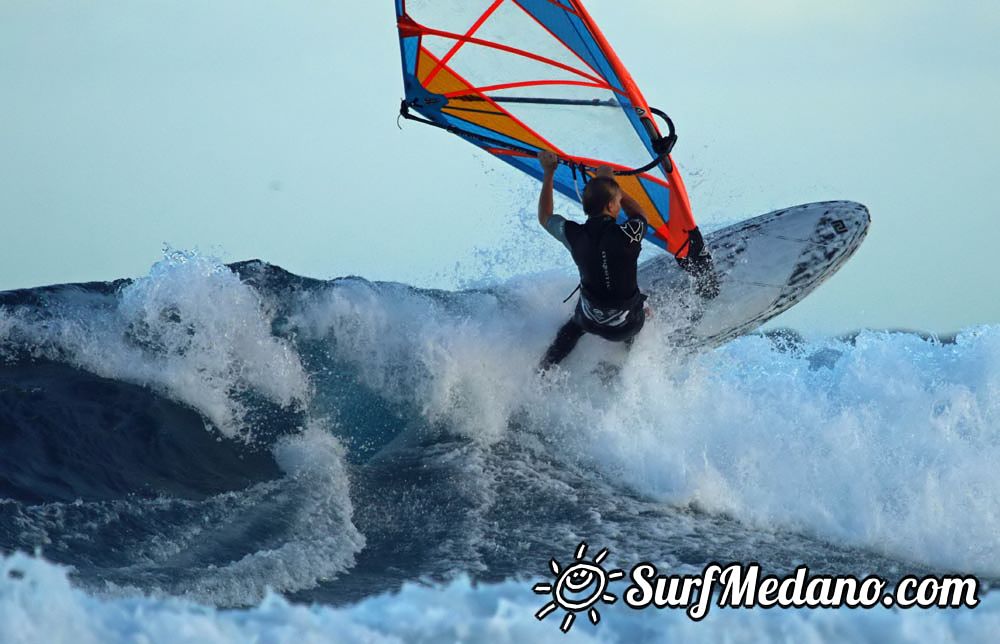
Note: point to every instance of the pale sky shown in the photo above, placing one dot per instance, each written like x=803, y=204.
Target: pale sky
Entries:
x=268, y=129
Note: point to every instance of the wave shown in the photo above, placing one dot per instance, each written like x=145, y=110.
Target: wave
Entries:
x=210, y=431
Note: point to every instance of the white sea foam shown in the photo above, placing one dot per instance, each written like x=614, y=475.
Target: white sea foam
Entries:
x=190, y=330
x=463, y=365
x=892, y=446
x=38, y=604
x=319, y=541
x=888, y=443
x=287, y=534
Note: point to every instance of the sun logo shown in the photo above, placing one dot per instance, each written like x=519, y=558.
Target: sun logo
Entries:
x=578, y=588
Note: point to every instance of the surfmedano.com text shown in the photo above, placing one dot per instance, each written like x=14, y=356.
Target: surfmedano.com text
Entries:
x=743, y=586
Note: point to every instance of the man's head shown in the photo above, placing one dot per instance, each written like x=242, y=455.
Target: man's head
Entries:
x=602, y=196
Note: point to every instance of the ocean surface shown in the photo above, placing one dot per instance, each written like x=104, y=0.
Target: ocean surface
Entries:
x=217, y=453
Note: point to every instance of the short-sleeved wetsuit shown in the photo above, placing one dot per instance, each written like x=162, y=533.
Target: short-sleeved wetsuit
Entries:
x=607, y=255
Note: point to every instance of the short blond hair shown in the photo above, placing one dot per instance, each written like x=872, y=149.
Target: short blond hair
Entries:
x=598, y=194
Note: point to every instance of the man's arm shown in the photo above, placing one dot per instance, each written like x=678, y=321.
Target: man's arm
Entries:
x=555, y=225
x=549, y=163
x=633, y=209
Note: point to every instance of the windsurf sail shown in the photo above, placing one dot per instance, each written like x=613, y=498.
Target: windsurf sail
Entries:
x=514, y=77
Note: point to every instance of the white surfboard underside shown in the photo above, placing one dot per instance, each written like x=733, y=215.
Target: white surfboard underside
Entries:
x=766, y=265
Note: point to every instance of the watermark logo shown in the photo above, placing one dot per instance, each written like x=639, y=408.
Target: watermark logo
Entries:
x=584, y=584
x=578, y=588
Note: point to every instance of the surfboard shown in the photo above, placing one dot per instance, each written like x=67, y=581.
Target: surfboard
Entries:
x=765, y=266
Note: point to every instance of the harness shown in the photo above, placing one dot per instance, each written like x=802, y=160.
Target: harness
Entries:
x=601, y=263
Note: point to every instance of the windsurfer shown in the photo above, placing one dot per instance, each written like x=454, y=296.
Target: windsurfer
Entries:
x=606, y=254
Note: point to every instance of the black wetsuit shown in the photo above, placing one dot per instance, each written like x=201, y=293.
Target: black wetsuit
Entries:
x=610, y=304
